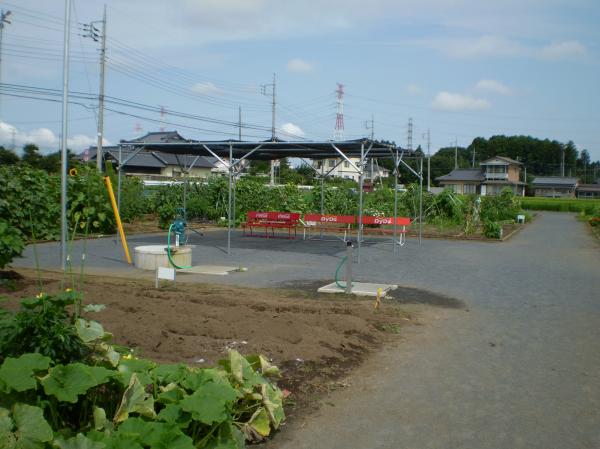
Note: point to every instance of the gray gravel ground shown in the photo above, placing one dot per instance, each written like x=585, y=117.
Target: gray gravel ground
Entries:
x=517, y=367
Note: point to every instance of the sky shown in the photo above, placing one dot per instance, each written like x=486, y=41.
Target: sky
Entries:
x=458, y=68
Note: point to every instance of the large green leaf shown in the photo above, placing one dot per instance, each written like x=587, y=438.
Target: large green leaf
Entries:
x=78, y=442
x=7, y=438
x=32, y=428
x=18, y=373
x=196, y=378
x=89, y=330
x=210, y=403
x=241, y=370
x=260, y=424
x=67, y=382
x=171, y=373
x=135, y=400
x=156, y=435
x=273, y=402
x=171, y=394
x=139, y=366
x=227, y=437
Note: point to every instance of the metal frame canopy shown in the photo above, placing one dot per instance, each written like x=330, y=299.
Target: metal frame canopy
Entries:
x=231, y=153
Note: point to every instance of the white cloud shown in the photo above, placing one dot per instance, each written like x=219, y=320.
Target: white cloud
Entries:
x=298, y=65
x=484, y=46
x=493, y=86
x=562, y=50
x=446, y=101
x=413, y=89
x=44, y=138
x=206, y=88
x=291, y=131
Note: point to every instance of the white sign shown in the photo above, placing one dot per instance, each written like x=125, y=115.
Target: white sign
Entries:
x=165, y=273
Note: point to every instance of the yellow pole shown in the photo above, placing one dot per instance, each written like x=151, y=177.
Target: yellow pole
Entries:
x=111, y=194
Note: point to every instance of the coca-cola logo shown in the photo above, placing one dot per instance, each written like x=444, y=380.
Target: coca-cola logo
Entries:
x=263, y=215
x=283, y=216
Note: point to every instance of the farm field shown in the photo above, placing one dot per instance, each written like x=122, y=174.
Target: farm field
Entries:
x=314, y=339
x=560, y=204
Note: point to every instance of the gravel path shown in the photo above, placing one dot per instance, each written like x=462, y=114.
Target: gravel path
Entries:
x=519, y=368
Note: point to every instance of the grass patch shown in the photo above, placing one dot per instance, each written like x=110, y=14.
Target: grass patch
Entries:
x=560, y=204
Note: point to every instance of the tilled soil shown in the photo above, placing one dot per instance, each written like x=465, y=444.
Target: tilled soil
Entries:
x=314, y=339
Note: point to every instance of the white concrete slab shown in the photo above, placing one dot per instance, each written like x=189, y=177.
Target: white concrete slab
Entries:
x=358, y=288
x=217, y=270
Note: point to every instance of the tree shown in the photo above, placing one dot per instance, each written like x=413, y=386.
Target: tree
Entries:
x=31, y=155
x=8, y=157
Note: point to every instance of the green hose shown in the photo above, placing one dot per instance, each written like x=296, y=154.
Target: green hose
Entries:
x=337, y=272
x=169, y=252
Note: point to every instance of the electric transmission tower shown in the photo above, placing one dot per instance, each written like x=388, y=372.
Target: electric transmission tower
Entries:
x=338, y=133
x=409, y=143
x=370, y=126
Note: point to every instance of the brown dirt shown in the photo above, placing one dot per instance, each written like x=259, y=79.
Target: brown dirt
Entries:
x=314, y=339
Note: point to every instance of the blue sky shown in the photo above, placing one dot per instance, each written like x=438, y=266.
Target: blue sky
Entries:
x=461, y=68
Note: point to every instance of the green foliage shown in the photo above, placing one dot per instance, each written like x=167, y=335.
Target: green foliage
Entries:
x=501, y=207
x=44, y=326
x=560, y=204
x=91, y=401
x=492, y=229
x=11, y=243
x=8, y=157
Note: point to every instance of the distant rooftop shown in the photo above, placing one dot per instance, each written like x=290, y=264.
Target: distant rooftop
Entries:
x=463, y=174
x=564, y=181
x=503, y=158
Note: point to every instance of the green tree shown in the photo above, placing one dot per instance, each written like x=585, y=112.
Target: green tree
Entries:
x=31, y=155
x=8, y=157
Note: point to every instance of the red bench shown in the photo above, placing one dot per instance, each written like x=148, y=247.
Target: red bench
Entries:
x=328, y=223
x=272, y=221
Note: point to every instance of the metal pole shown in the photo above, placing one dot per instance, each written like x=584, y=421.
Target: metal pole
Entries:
x=428, y=161
x=99, y=151
x=119, y=181
x=3, y=16
x=349, y=268
x=239, y=123
x=322, y=194
x=229, y=211
x=273, y=132
x=360, y=200
x=421, y=201
x=63, y=142
x=395, y=198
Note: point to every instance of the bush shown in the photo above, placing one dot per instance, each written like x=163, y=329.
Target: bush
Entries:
x=11, y=244
x=492, y=230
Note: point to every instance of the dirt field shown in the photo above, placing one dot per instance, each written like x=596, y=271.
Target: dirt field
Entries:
x=315, y=339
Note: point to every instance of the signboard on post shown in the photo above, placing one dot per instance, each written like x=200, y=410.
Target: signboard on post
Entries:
x=164, y=273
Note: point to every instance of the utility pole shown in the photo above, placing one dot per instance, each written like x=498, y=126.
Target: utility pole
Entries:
x=473, y=163
x=63, y=140
x=410, y=135
x=562, y=162
x=93, y=33
x=455, y=154
x=428, y=134
x=370, y=125
x=264, y=91
x=3, y=19
x=239, y=123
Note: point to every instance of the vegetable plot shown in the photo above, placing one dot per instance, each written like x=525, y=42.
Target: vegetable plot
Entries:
x=105, y=397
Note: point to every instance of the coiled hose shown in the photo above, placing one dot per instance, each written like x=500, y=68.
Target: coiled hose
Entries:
x=169, y=252
x=337, y=273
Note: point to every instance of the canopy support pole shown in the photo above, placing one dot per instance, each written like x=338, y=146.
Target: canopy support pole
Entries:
x=360, y=202
x=230, y=166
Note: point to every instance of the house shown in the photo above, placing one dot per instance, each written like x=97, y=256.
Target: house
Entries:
x=157, y=165
x=555, y=186
x=501, y=172
x=590, y=191
x=343, y=169
x=493, y=176
x=463, y=180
